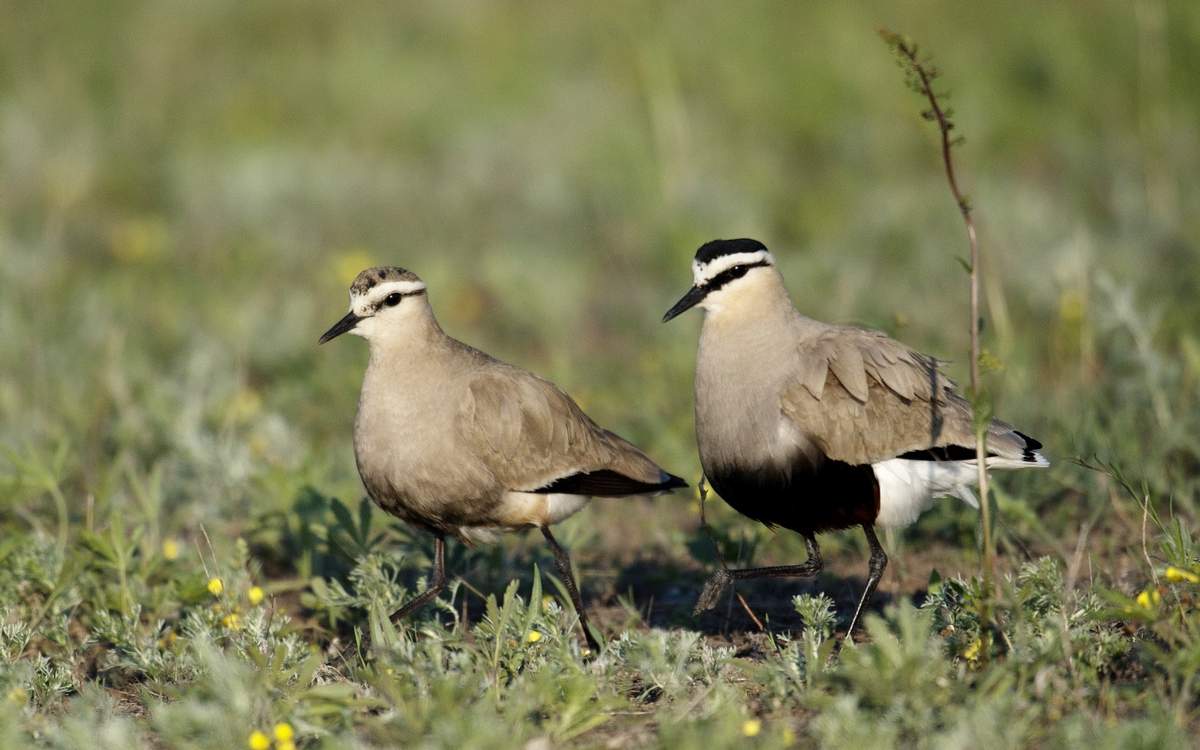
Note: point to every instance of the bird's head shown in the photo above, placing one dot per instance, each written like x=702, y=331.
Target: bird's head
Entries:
x=381, y=299
x=722, y=270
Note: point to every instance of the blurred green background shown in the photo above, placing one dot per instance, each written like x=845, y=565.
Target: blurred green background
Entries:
x=186, y=190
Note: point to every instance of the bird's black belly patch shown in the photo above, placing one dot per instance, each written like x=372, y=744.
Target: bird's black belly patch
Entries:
x=833, y=496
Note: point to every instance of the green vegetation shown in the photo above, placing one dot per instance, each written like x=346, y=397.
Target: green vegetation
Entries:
x=187, y=188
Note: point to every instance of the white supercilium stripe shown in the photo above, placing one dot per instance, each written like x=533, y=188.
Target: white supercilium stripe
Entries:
x=702, y=272
x=404, y=287
x=365, y=304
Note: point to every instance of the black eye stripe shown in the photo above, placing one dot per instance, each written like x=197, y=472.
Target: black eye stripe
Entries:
x=729, y=274
x=399, y=297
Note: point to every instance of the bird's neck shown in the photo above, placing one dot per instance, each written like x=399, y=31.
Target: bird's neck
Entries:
x=761, y=304
x=411, y=340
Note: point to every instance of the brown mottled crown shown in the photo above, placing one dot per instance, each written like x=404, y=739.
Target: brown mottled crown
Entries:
x=366, y=280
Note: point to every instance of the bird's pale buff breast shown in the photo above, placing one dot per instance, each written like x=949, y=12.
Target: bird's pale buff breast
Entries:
x=404, y=445
x=739, y=423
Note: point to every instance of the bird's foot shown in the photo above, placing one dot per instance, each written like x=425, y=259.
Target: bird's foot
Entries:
x=713, y=589
x=591, y=647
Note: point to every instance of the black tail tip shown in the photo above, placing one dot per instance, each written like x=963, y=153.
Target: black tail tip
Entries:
x=1031, y=444
x=673, y=482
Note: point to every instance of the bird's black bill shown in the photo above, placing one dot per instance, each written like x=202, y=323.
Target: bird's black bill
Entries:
x=686, y=302
x=342, y=326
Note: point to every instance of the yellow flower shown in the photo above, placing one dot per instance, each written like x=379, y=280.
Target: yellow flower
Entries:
x=989, y=362
x=215, y=586
x=258, y=741
x=139, y=240
x=1072, y=307
x=285, y=745
x=533, y=636
x=255, y=595
x=347, y=264
x=751, y=727
x=1179, y=575
x=789, y=737
x=170, y=548
x=1149, y=599
x=972, y=651
x=260, y=445
x=231, y=621
x=245, y=405
x=283, y=732
x=17, y=695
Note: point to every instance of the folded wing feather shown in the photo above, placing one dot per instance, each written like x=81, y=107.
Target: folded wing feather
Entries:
x=533, y=437
x=863, y=397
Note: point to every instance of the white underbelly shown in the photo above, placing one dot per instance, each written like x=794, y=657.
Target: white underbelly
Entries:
x=521, y=509
x=562, y=507
x=908, y=488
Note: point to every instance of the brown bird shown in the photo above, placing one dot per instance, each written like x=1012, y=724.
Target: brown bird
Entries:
x=461, y=444
x=816, y=427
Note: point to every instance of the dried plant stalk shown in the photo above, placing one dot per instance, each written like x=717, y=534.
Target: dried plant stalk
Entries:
x=920, y=75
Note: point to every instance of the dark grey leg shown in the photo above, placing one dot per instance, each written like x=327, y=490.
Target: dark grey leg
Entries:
x=436, y=584
x=723, y=577
x=878, y=563
x=563, y=562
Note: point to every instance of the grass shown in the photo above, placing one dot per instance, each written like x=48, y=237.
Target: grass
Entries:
x=185, y=192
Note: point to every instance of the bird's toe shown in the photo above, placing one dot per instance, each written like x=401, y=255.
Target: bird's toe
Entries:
x=713, y=589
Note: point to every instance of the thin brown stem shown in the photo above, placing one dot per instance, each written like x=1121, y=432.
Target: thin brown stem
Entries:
x=922, y=75
x=761, y=628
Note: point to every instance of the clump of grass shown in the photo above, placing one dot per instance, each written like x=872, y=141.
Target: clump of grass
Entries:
x=215, y=657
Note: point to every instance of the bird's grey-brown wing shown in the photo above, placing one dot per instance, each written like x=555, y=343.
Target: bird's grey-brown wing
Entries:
x=863, y=397
x=535, y=438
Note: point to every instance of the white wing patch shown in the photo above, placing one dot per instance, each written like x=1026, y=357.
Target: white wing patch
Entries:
x=907, y=488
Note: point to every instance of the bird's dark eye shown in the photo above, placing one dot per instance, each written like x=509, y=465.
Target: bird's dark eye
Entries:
x=393, y=299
